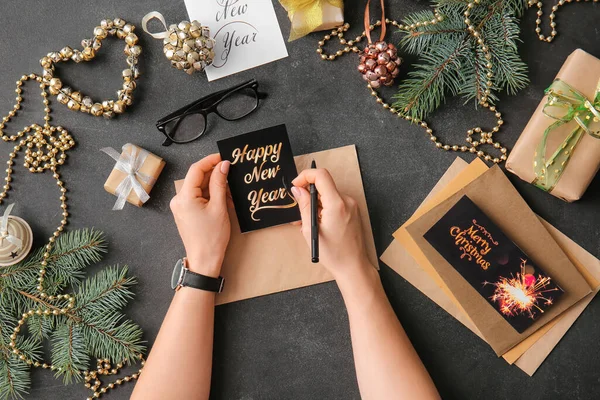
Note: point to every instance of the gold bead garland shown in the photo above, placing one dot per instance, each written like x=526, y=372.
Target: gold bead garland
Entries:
x=551, y=17
x=45, y=149
x=350, y=44
x=473, y=145
x=104, y=367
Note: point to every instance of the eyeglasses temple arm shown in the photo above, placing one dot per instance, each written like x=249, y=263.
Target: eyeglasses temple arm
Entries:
x=184, y=110
x=190, y=108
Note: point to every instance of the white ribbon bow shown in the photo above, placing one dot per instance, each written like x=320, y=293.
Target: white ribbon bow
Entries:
x=150, y=16
x=130, y=163
x=4, y=230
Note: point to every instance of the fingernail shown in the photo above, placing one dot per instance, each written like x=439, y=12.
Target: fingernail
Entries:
x=225, y=167
x=296, y=192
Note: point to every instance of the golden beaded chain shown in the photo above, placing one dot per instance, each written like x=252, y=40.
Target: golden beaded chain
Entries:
x=485, y=137
x=45, y=149
x=551, y=17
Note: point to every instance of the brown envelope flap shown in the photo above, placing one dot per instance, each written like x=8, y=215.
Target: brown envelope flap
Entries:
x=276, y=259
x=500, y=201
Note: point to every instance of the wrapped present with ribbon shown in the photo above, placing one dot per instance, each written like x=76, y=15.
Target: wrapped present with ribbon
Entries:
x=309, y=16
x=133, y=176
x=559, y=150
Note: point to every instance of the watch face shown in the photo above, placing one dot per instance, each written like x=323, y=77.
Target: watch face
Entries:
x=177, y=275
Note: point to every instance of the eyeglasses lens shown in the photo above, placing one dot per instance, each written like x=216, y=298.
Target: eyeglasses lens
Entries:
x=238, y=104
x=190, y=127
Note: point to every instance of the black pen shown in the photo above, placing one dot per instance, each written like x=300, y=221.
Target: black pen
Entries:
x=314, y=215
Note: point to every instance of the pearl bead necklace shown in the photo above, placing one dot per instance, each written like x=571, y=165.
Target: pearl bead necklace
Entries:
x=45, y=149
x=485, y=137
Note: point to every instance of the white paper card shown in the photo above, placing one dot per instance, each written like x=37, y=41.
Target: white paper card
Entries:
x=246, y=32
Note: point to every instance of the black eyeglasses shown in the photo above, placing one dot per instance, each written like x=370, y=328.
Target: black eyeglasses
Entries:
x=189, y=122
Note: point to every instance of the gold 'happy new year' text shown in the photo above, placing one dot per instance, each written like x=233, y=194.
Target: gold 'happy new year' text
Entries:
x=259, y=199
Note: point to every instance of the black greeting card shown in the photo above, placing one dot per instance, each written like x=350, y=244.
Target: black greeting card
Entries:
x=494, y=265
x=259, y=162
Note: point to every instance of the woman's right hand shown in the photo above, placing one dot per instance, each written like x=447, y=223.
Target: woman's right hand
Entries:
x=341, y=241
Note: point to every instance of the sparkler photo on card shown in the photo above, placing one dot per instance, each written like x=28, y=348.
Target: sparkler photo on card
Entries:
x=259, y=161
x=495, y=266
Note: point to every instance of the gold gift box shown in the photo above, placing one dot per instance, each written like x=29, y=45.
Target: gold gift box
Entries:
x=582, y=72
x=303, y=19
x=152, y=166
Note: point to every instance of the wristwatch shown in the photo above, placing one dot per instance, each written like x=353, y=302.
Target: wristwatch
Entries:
x=182, y=276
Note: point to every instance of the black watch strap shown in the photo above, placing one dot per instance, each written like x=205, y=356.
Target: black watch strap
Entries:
x=202, y=282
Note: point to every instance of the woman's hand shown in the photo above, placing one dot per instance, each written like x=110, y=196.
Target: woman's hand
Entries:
x=200, y=212
x=341, y=243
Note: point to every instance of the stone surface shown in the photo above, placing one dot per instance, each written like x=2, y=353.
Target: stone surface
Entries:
x=293, y=345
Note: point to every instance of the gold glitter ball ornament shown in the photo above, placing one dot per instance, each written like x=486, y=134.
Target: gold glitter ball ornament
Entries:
x=187, y=45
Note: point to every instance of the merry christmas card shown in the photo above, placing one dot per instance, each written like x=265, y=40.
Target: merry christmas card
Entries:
x=505, y=276
x=260, y=161
x=496, y=197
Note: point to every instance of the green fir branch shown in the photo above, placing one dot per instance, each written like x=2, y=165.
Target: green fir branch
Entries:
x=425, y=88
x=106, y=292
x=72, y=253
x=113, y=337
x=452, y=61
x=14, y=378
x=69, y=352
x=95, y=327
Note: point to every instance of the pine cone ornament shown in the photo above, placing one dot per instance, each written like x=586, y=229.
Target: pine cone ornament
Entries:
x=379, y=64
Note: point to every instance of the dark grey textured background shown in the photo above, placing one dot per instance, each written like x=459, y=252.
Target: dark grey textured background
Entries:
x=292, y=345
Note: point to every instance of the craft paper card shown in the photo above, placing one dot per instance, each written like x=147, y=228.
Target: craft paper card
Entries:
x=516, y=288
x=397, y=257
x=277, y=259
x=470, y=173
x=246, y=33
x=530, y=353
x=260, y=161
x=496, y=197
x=450, y=184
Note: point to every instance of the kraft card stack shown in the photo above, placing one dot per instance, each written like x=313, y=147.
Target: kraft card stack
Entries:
x=550, y=272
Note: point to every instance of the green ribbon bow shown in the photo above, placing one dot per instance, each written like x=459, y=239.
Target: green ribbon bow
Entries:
x=565, y=104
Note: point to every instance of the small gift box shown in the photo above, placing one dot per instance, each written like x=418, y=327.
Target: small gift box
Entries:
x=309, y=16
x=16, y=238
x=133, y=176
x=559, y=150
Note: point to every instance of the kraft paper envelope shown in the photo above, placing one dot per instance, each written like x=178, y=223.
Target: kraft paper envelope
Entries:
x=276, y=259
x=493, y=193
x=398, y=257
x=470, y=173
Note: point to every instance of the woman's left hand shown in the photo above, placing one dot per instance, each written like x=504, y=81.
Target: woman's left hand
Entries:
x=200, y=212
